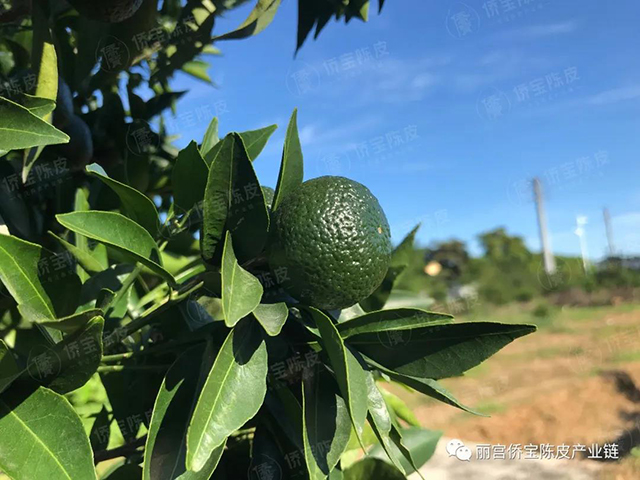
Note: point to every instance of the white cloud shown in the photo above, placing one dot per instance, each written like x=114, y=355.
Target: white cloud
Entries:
x=424, y=80
x=543, y=30
x=337, y=136
x=403, y=80
x=308, y=133
x=615, y=95
x=495, y=68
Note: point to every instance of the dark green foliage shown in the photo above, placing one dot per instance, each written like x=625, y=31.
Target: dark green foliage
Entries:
x=110, y=299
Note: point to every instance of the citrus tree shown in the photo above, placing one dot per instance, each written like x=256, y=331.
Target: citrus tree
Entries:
x=163, y=315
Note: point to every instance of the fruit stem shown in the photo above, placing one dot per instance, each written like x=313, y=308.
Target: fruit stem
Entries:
x=117, y=357
x=128, y=282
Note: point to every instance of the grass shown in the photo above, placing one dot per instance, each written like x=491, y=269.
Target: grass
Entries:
x=557, y=319
x=589, y=321
x=625, y=356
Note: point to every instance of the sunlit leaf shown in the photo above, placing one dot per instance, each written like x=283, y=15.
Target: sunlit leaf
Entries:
x=259, y=18
x=291, y=169
x=241, y=291
x=120, y=233
x=326, y=423
x=19, y=128
x=42, y=433
x=166, y=447
x=272, y=317
x=135, y=205
x=232, y=394
x=349, y=373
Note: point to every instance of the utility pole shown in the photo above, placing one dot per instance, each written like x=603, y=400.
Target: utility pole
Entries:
x=547, y=256
x=609, y=229
x=581, y=221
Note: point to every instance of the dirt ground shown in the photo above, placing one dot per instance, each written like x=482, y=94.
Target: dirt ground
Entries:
x=575, y=381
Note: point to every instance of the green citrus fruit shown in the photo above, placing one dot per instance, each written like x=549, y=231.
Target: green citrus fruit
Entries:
x=64, y=105
x=330, y=245
x=111, y=11
x=79, y=150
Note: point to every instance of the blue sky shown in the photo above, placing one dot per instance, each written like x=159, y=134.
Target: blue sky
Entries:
x=445, y=110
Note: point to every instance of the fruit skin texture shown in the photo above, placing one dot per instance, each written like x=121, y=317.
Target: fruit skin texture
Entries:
x=111, y=11
x=331, y=240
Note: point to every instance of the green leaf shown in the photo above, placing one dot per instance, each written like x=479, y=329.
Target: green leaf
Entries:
x=44, y=55
x=39, y=106
x=135, y=205
x=166, y=447
x=120, y=233
x=159, y=103
x=285, y=407
x=129, y=471
x=267, y=455
x=84, y=257
x=100, y=431
x=312, y=14
x=387, y=321
x=431, y=388
x=378, y=299
x=19, y=128
x=440, y=350
x=21, y=271
x=189, y=177
x=241, y=291
x=45, y=62
x=72, y=323
x=272, y=317
x=255, y=140
x=233, y=392
x=131, y=394
x=380, y=420
x=348, y=371
x=370, y=468
x=401, y=255
x=233, y=201
x=97, y=253
x=197, y=69
x=259, y=18
x=326, y=424
x=336, y=474
x=9, y=370
x=42, y=433
x=400, y=258
x=68, y=365
x=415, y=446
x=291, y=168
x=399, y=408
x=210, y=136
